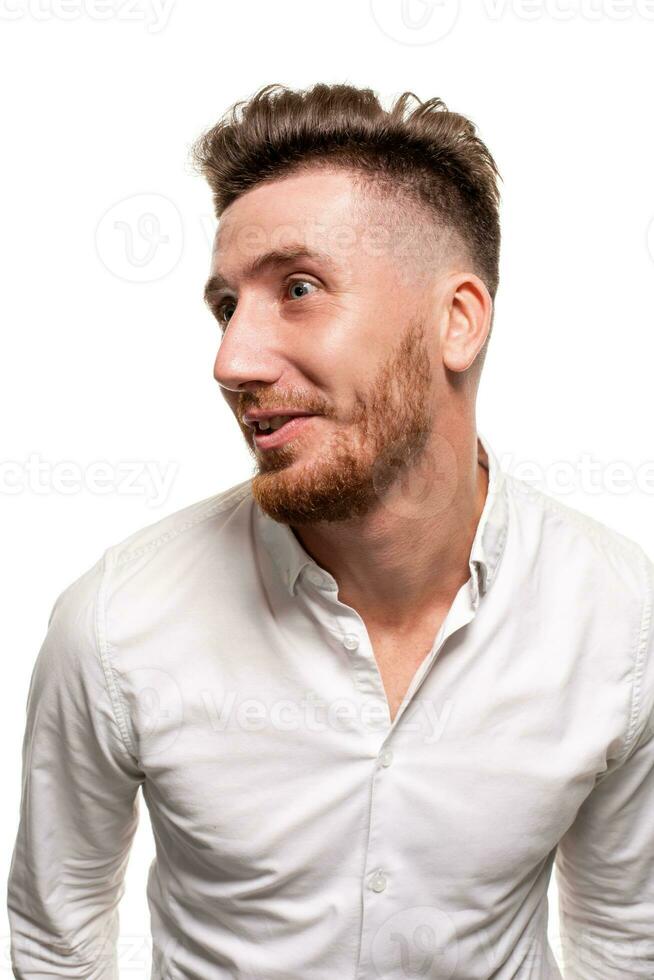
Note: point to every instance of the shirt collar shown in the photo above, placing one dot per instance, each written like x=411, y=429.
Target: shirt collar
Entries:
x=290, y=556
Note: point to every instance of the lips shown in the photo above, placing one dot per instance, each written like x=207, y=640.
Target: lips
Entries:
x=252, y=419
x=286, y=432
x=273, y=423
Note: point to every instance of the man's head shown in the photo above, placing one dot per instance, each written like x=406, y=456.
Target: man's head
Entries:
x=353, y=277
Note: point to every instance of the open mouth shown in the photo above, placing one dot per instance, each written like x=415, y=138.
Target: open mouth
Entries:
x=275, y=423
x=279, y=429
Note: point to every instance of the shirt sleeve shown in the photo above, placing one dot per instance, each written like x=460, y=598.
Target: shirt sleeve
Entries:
x=605, y=861
x=79, y=806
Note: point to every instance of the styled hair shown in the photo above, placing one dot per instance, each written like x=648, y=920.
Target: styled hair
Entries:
x=431, y=155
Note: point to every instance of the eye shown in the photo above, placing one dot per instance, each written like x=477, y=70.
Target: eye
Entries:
x=294, y=283
x=224, y=310
x=220, y=309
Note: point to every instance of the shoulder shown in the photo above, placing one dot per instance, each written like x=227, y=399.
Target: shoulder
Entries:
x=150, y=538
x=571, y=542
x=78, y=611
x=599, y=581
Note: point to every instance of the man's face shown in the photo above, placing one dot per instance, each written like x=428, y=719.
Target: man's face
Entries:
x=342, y=332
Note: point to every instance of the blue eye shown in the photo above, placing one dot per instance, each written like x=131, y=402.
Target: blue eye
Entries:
x=229, y=304
x=301, y=282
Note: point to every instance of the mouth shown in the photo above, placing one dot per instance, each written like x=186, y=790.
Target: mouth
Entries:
x=285, y=429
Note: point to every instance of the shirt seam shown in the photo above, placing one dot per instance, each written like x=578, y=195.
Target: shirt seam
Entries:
x=233, y=497
x=117, y=704
x=620, y=544
x=641, y=643
x=612, y=538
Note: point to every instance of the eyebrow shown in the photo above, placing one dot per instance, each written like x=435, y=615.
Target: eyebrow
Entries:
x=268, y=260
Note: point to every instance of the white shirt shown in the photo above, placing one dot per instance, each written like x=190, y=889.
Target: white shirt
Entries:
x=208, y=661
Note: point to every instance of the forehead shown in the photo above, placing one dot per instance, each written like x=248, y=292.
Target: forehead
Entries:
x=320, y=210
x=318, y=197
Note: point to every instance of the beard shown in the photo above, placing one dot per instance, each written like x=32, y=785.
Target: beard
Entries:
x=361, y=460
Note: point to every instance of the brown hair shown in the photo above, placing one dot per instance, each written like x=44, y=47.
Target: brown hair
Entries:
x=430, y=154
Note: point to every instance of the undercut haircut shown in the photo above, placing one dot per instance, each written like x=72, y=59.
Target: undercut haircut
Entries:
x=421, y=155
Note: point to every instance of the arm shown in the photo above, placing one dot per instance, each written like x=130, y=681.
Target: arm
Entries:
x=79, y=805
x=605, y=861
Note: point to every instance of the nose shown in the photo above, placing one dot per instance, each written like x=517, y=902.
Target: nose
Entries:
x=247, y=354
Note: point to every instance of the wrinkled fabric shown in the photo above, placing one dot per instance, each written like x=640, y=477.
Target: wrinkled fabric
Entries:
x=207, y=665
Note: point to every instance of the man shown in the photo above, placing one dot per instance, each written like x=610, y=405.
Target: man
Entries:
x=373, y=693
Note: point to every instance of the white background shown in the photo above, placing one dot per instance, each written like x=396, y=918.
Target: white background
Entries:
x=108, y=350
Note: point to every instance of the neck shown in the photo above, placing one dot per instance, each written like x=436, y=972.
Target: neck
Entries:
x=410, y=553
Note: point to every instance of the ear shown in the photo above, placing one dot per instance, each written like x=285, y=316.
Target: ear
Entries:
x=467, y=312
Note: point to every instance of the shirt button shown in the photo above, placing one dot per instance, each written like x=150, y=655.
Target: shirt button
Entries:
x=386, y=757
x=351, y=641
x=378, y=882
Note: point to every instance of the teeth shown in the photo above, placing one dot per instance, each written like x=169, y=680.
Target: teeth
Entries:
x=274, y=423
